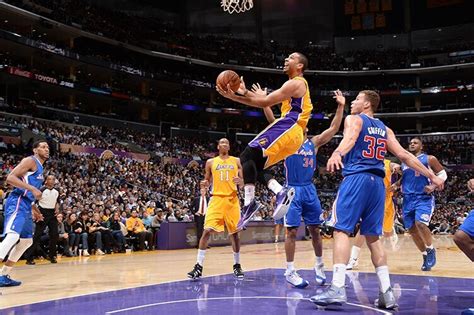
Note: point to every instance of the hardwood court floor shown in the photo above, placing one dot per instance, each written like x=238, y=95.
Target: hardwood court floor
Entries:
x=86, y=275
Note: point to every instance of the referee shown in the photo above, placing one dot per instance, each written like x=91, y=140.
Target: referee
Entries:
x=49, y=208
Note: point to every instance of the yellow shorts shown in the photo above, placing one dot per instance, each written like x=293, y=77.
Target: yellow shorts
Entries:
x=223, y=210
x=279, y=140
x=389, y=215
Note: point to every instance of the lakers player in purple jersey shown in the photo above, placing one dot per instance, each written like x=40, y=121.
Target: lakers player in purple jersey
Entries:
x=361, y=195
x=27, y=178
x=419, y=202
x=299, y=172
x=279, y=140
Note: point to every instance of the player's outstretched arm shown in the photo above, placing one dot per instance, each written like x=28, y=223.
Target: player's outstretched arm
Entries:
x=409, y=159
x=291, y=88
x=352, y=128
x=26, y=165
x=327, y=134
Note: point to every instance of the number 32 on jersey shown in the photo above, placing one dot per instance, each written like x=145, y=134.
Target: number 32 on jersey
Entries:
x=376, y=148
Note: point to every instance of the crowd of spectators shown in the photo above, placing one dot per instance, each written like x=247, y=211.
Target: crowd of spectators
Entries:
x=105, y=191
x=153, y=34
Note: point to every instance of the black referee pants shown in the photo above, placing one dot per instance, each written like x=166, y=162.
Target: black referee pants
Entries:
x=51, y=222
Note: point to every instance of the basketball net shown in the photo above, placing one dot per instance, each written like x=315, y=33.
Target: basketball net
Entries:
x=236, y=6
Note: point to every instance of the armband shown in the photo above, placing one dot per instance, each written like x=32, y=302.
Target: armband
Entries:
x=443, y=175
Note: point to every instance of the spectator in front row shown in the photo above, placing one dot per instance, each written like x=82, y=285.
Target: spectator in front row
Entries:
x=115, y=226
x=63, y=236
x=101, y=235
x=80, y=228
x=136, y=228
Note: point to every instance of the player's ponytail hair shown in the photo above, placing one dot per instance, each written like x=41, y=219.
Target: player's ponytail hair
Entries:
x=373, y=98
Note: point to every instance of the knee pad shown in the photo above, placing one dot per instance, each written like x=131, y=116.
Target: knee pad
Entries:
x=20, y=248
x=10, y=240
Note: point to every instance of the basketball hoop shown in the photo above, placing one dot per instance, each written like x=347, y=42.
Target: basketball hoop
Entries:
x=236, y=6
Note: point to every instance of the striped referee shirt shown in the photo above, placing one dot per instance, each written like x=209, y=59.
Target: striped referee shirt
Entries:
x=49, y=198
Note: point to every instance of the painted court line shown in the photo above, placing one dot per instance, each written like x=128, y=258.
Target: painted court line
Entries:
x=233, y=298
x=125, y=288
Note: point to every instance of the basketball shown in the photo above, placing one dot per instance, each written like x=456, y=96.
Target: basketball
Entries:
x=228, y=77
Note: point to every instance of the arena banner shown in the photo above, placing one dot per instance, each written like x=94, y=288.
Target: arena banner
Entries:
x=45, y=78
x=440, y=136
x=102, y=153
x=19, y=72
x=178, y=235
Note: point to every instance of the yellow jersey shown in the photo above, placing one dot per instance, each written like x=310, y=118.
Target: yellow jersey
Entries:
x=387, y=181
x=298, y=108
x=223, y=173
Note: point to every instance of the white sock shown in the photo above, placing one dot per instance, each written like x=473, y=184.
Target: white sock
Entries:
x=249, y=194
x=355, y=252
x=339, y=275
x=290, y=265
x=430, y=247
x=384, y=278
x=237, y=258
x=319, y=260
x=276, y=238
x=424, y=253
x=6, y=270
x=200, y=256
x=274, y=186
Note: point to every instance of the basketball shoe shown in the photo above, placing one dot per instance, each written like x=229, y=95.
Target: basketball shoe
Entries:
x=386, y=300
x=332, y=296
x=247, y=213
x=425, y=266
x=6, y=281
x=238, y=273
x=293, y=278
x=283, y=202
x=431, y=257
x=320, y=275
x=353, y=264
x=196, y=273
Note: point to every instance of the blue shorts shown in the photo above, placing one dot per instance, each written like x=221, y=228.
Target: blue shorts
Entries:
x=417, y=208
x=360, y=197
x=468, y=225
x=18, y=217
x=279, y=221
x=305, y=204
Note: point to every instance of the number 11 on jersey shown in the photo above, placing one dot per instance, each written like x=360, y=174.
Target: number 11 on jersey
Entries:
x=224, y=176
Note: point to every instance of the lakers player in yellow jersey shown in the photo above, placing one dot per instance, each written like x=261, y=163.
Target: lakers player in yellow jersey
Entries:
x=223, y=175
x=280, y=139
x=388, y=217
